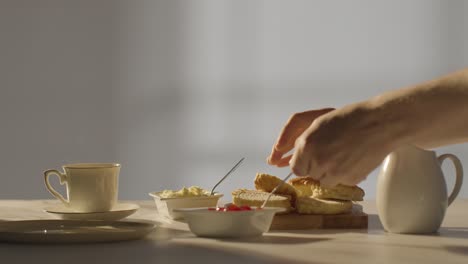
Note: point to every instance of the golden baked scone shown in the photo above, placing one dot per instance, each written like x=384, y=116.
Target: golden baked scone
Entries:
x=310, y=205
x=256, y=198
x=266, y=182
x=306, y=186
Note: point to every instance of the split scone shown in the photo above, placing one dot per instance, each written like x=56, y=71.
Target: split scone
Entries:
x=306, y=186
x=266, y=182
x=256, y=198
x=310, y=205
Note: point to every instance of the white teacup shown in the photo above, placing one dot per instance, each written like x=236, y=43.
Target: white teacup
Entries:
x=91, y=187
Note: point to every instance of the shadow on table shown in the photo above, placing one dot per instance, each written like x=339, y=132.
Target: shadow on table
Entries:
x=374, y=226
x=374, y=223
x=452, y=232
x=142, y=252
x=275, y=239
x=455, y=232
x=164, y=233
x=164, y=245
x=461, y=250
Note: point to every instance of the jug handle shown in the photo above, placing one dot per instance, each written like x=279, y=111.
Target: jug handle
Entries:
x=458, y=172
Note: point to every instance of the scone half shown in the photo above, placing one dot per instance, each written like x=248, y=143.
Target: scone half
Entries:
x=257, y=198
x=306, y=186
x=266, y=182
x=311, y=205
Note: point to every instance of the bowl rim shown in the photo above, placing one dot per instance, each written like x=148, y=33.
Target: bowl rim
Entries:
x=156, y=195
x=204, y=210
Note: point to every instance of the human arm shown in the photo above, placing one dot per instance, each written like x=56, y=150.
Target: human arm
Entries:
x=345, y=145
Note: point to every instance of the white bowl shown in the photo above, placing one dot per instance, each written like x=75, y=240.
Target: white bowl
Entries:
x=231, y=224
x=166, y=206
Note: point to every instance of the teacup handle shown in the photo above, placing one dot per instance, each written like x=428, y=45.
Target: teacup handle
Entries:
x=63, y=180
x=458, y=172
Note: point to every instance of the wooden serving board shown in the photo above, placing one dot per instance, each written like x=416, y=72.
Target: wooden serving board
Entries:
x=295, y=221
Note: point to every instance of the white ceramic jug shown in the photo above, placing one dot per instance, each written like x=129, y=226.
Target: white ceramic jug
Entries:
x=411, y=190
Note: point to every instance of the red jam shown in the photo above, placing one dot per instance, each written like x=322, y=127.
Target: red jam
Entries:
x=232, y=207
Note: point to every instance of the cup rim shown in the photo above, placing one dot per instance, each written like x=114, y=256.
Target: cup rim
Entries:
x=91, y=165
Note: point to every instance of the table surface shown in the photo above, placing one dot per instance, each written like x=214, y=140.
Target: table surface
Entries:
x=172, y=242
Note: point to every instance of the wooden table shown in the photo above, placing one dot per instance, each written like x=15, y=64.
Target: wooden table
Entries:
x=173, y=243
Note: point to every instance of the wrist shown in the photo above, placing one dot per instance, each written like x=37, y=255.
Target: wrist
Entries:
x=394, y=127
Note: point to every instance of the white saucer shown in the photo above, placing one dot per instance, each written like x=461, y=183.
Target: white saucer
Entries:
x=70, y=231
x=118, y=212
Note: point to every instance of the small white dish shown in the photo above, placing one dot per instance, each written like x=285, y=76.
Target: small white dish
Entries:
x=231, y=224
x=166, y=206
x=70, y=231
x=119, y=211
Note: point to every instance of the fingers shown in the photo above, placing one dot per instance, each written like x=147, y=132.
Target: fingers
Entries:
x=284, y=161
x=328, y=181
x=285, y=142
x=295, y=126
x=275, y=156
x=299, y=165
x=302, y=162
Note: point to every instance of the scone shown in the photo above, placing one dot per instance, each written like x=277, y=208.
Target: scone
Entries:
x=310, y=205
x=266, y=182
x=256, y=198
x=306, y=186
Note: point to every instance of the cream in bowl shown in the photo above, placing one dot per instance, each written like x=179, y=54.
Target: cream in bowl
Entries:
x=193, y=191
x=226, y=223
x=192, y=197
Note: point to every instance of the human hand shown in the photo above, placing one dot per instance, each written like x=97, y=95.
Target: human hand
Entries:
x=293, y=128
x=341, y=146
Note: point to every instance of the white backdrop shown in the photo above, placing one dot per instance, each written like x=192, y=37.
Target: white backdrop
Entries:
x=178, y=91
